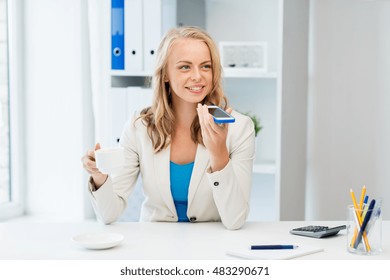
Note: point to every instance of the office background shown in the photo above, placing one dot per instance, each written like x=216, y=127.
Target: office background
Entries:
x=347, y=99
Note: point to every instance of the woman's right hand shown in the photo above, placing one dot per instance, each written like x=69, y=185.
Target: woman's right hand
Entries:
x=89, y=165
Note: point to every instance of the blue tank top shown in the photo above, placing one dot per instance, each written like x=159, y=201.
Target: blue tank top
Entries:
x=180, y=175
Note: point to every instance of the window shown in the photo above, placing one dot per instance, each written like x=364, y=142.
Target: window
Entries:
x=11, y=125
x=5, y=191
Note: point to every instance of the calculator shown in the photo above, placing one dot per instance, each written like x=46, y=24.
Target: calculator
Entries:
x=317, y=231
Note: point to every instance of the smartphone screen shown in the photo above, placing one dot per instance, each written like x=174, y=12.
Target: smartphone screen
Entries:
x=219, y=115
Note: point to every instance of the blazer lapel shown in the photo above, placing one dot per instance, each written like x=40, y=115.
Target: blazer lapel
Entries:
x=200, y=165
x=162, y=171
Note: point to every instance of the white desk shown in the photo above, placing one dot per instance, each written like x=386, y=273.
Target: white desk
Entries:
x=144, y=241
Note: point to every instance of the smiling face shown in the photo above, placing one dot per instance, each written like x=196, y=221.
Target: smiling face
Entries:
x=189, y=71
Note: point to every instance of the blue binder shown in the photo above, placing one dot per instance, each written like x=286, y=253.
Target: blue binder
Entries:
x=117, y=35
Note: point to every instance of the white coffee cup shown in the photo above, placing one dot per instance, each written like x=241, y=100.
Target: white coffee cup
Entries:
x=109, y=160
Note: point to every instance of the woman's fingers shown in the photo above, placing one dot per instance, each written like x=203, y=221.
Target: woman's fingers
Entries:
x=97, y=146
x=201, y=119
x=213, y=134
x=88, y=161
x=200, y=114
x=212, y=127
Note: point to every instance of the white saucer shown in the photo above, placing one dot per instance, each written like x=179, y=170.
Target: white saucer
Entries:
x=103, y=240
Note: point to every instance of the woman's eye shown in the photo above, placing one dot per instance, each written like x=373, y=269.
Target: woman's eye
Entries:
x=185, y=67
x=207, y=66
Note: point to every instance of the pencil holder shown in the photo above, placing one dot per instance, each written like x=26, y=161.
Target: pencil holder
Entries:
x=364, y=229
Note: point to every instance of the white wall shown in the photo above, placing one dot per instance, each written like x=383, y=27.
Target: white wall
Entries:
x=292, y=109
x=58, y=117
x=349, y=101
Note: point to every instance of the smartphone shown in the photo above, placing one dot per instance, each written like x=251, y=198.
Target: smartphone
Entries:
x=219, y=115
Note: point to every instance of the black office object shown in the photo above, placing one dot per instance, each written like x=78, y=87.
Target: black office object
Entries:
x=317, y=231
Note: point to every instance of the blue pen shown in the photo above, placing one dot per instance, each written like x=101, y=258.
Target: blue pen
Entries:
x=364, y=209
x=272, y=247
x=364, y=224
x=365, y=201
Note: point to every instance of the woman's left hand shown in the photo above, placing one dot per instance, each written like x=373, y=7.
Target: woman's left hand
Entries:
x=214, y=138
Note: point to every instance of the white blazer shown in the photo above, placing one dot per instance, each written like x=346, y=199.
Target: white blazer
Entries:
x=219, y=196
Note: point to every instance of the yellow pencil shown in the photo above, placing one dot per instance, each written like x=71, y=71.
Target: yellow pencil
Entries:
x=359, y=217
x=362, y=197
x=360, y=212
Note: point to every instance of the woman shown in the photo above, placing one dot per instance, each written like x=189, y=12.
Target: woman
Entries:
x=192, y=169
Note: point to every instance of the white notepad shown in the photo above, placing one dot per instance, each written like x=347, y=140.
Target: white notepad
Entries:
x=285, y=254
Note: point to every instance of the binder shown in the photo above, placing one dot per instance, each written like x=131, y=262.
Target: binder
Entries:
x=152, y=20
x=133, y=35
x=136, y=30
x=158, y=17
x=117, y=35
x=124, y=104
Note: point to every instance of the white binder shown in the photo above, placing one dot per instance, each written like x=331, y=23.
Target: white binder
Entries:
x=158, y=17
x=133, y=35
x=125, y=102
x=152, y=19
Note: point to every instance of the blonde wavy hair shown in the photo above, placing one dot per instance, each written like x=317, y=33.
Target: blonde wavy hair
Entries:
x=159, y=118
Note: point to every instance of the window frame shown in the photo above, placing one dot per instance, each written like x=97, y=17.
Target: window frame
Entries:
x=16, y=206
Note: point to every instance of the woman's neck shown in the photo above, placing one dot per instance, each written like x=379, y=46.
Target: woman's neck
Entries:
x=184, y=114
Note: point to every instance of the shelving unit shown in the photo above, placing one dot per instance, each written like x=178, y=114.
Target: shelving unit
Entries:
x=260, y=166
x=249, y=73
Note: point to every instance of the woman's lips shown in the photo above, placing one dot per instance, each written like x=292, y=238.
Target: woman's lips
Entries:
x=195, y=89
